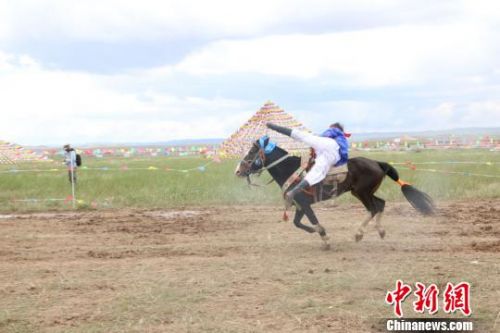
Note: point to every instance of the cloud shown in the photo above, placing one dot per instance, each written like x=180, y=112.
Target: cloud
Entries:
x=355, y=115
x=390, y=66
x=483, y=113
x=376, y=57
x=448, y=114
x=40, y=105
x=116, y=20
x=360, y=116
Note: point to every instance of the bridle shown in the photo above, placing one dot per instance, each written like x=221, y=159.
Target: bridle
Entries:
x=260, y=155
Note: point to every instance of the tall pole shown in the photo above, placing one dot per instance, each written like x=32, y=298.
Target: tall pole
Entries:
x=72, y=182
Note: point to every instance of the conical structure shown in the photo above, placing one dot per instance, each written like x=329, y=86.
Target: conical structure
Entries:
x=12, y=153
x=238, y=144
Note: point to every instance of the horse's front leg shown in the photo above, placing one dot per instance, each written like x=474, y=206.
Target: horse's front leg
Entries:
x=317, y=226
x=299, y=214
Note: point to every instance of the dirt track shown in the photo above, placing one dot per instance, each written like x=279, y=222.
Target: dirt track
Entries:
x=236, y=269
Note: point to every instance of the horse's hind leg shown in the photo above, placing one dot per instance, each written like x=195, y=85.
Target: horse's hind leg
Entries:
x=375, y=206
x=378, y=226
x=362, y=228
x=317, y=226
x=368, y=202
x=380, y=205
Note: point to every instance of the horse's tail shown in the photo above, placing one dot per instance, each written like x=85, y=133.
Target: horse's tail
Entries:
x=418, y=199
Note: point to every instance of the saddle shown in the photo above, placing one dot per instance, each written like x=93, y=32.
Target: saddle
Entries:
x=336, y=175
x=327, y=187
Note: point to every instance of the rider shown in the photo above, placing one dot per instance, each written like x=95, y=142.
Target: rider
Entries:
x=331, y=150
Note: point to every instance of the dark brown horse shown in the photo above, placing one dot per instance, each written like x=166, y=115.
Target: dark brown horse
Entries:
x=363, y=179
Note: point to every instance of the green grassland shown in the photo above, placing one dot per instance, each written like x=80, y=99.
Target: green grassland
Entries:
x=164, y=186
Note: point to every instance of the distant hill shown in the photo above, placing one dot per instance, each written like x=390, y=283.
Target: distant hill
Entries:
x=185, y=142
x=459, y=132
x=191, y=142
x=368, y=136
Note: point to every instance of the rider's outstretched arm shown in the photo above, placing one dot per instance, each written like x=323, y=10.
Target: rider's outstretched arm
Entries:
x=311, y=140
x=280, y=129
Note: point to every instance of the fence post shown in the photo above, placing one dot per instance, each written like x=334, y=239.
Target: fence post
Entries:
x=73, y=186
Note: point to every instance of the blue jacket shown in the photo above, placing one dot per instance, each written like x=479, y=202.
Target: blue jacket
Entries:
x=341, y=140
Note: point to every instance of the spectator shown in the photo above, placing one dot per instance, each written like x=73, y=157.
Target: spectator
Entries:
x=70, y=161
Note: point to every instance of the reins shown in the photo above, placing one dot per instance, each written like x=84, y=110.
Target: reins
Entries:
x=259, y=159
x=250, y=183
x=261, y=154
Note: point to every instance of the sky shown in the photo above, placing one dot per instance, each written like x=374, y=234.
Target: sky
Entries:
x=156, y=70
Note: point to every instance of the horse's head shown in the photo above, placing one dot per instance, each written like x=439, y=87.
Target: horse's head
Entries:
x=255, y=159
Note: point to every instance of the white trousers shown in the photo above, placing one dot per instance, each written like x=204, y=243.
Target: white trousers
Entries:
x=327, y=154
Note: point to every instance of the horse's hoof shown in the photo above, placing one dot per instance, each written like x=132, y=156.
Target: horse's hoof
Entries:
x=382, y=234
x=319, y=229
x=358, y=237
x=326, y=247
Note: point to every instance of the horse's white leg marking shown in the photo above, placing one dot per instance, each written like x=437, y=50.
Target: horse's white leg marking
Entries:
x=325, y=238
x=318, y=227
x=378, y=224
x=361, y=230
x=326, y=243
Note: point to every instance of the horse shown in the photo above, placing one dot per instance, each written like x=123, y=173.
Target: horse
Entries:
x=363, y=179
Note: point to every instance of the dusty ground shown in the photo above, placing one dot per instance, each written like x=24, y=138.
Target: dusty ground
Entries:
x=236, y=269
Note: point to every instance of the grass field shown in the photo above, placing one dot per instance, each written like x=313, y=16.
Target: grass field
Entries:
x=216, y=185
x=200, y=251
